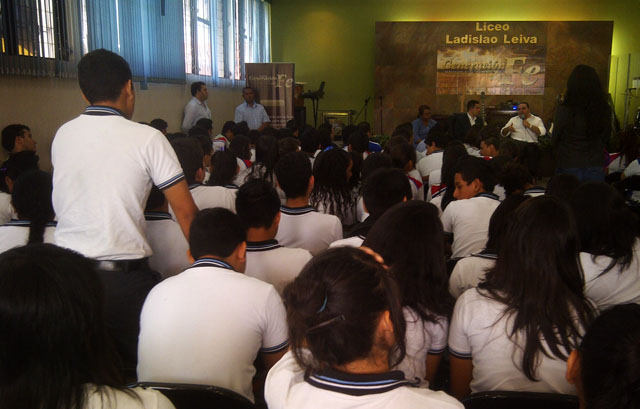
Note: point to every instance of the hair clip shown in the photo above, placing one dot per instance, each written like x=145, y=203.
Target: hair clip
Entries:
x=324, y=305
x=325, y=324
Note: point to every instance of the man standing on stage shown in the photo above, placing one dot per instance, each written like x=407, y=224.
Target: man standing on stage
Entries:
x=251, y=112
x=196, y=108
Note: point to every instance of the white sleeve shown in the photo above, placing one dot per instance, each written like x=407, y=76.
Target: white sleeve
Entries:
x=632, y=169
x=189, y=116
x=448, y=218
x=162, y=162
x=274, y=330
x=337, y=230
x=538, y=122
x=456, y=285
x=458, y=341
x=438, y=331
x=506, y=126
x=237, y=117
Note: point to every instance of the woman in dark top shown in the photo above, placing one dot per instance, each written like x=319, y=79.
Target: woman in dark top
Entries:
x=582, y=126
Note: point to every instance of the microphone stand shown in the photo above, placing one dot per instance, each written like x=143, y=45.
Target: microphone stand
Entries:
x=364, y=108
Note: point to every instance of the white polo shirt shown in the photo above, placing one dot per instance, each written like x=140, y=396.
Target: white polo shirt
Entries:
x=524, y=134
x=270, y=262
x=104, y=165
x=243, y=172
x=533, y=191
x=469, y=271
x=6, y=209
x=206, y=326
x=168, y=244
x=468, y=220
x=417, y=187
x=287, y=387
x=479, y=331
x=355, y=241
x=208, y=197
x=115, y=398
x=303, y=227
x=15, y=233
x=430, y=163
x=616, y=286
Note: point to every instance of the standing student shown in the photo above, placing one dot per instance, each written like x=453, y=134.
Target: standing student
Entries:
x=300, y=225
x=345, y=326
x=515, y=331
x=332, y=193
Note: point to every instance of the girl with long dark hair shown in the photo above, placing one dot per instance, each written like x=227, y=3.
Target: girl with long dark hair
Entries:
x=332, y=193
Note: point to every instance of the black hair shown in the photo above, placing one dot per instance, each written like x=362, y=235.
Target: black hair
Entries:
x=472, y=103
x=293, y=172
x=205, y=123
x=606, y=225
x=399, y=134
x=610, y=359
x=629, y=145
x=267, y=155
x=359, y=141
x=310, y=141
x=324, y=137
x=472, y=137
x=53, y=337
x=375, y=161
x=190, y=155
x=508, y=149
x=31, y=198
x=224, y=168
x=454, y=153
x=156, y=199
x=500, y=220
x=383, y=189
x=332, y=190
x=241, y=128
x=257, y=203
x=283, y=133
x=541, y=284
x=346, y=133
x=102, y=74
x=159, y=123
x=195, y=87
x=205, y=144
x=254, y=134
x=514, y=177
x=472, y=168
x=334, y=306
x=585, y=95
x=365, y=128
x=421, y=109
x=440, y=138
x=20, y=162
x=10, y=133
x=228, y=126
x=240, y=145
x=356, y=160
x=292, y=124
x=401, y=154
x=196, y=131
x=215, y=232
x=492, y=140
x=288, y=145
x=409, y=239
x=562, y=186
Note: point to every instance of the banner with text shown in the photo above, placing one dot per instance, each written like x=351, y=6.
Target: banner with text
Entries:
x=273, y=84
x=498, y=58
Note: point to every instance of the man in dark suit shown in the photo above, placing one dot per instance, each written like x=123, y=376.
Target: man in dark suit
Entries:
x=463, y=122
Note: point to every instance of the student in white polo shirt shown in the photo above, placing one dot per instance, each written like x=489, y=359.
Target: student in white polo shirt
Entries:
x=467, y=218
x=300, y=225
x=258, y=206
x=516, y=178
x=100, y=208
x=208, y=324
x=16, y=165
x=224, y=170
x=403, y=156
x=436, y=141
x=515, y=331
x=190, y=155
x=345, y=322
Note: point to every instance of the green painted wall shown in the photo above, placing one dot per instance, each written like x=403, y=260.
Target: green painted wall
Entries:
x=333, y=40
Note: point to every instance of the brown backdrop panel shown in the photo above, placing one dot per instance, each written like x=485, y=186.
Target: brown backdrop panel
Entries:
x=406, y=62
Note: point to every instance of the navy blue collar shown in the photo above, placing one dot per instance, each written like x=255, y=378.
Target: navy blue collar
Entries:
x=263, y=245
x=231, y=186
x=486, y=253
x=357, y=384
x=535, y=189
x=439, y=192
x=150, y=216
x=194, y=185
x=211, y=262
x=101, y=110
x=488, y=195
x=27, y=223
x=294, y=211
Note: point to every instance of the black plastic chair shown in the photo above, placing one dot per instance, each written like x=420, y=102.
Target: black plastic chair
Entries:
x=188, y=396
x=519, y=400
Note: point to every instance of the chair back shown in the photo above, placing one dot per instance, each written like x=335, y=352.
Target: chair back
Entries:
x=519, y=400
x=188, y=396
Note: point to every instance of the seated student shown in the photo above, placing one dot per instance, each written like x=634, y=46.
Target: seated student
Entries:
x=605, y=368
x=221, y=141
x=240, y=146
x=441, y=181
x=288, y=145
x=381, y=190
x=609, y=245
x=562, y=186
x=206, y=124
x=258, y=206
x=55, y=349
x=31, y=199
x=300, y=225
x=469, y=271
x=408, y=237
x=16, y=165
x=467, y=218
x=224, y=169
x=374, y=161
x=403, y=156
x=310, y=143
x=205, y=142
x=15, y=138
x=515, y=331
x=472, y=139
x=516, y=179
x=436, y=141
x=189, y=153
x=346, y=325
x=293, y=126
x=165, y=237
x=267, y=155
x=404, y=132
x=490, y=147
x=207, y=324
x=160, y=124
x=359, y=142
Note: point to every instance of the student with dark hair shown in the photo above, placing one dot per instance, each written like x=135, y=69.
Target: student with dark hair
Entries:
x=346, y=133
x=300, y=225
x=310, y=143
x=605, y=368
x=609, y=245
x=55, y=349
x=469, y=271
x=365, y=128
x=435, y=142
x=288, y=145
x=472, y=139
x=218, y=318
x=467, y=218
x=165, y=238
x=374, y=161
x=516, y=178
x=403, y=156
x=189, y=152
x=359, y=142
x=224, y=168
x=206, y=124
x=490, y=147
x=408, y=237
x=562, y=186
x=293, y=126
x=325, y=138
x=241, y=147
x=160, y=124
x=197, y=107
x=346, y=326
x=442, y=181
x=15, y=138
x=31, y=199
x=332, y=193
x=221, y=141
x=267, y=155
x=17, y=164
x=516, y=330
x=241, y=128
x=258, y=207
x=283, y=133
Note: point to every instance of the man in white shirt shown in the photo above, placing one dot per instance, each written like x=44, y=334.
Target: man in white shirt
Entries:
x=100, y=208
x=251, y=112
x=524, y=127
x=208, y=324
x=196, y=108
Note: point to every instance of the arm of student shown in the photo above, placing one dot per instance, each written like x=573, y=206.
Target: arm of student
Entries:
x=271, y=358
x=433, y=361
x=183, y=206
x=461, y=372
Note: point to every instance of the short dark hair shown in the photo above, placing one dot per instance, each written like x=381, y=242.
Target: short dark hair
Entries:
x=159, y=123
x=205, y=123
x=364, y=127
x=310, y=140
x=472, y=103
x=197, y=131
x=293, y=172
x=492, y=140
x=102, y=74
x=377, y=160
x=514, y=177
x=228, y=126
x=283, y=133
x=346, y=133
x=205, y=143
x=215, y=232
x=190, y=156
x=241, y=128
x=288, y=145
x=500, y=220
x=401, y=154
x=359, y=141
x=257, y=203
x=10, y=133
x=195, y=87
x=523, y=102
x=224, y=168
x=440, y=138
x=383, y=189
x=240, y=146
x=423, y=108
x=472, y=168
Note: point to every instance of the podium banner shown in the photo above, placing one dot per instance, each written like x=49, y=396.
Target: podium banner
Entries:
x=273, y=84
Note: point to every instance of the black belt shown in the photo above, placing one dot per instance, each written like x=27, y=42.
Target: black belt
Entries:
x=123, y=265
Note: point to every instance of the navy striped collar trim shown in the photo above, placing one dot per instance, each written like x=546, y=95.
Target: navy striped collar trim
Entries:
x=294, y=211
x=482, y=254
x=211, y=262
x=100, y=110
x=27, y=223
x=535, y=189
x=263, y=245
x=439, y=192
x=231, y=186
x=157, y=216
x=194, y=185
x=357, y=384
x=488, y=195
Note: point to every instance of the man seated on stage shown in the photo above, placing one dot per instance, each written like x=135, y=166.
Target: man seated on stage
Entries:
x=524, y=127
x=464, y=122
x=422, y=125
x=251, y=112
